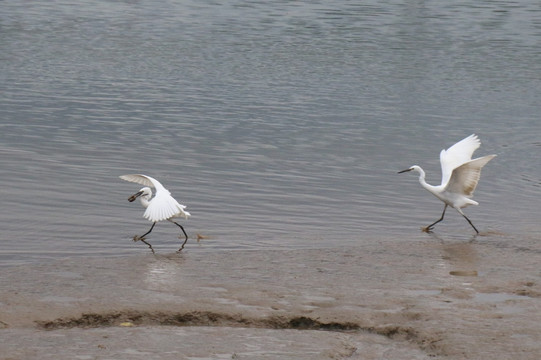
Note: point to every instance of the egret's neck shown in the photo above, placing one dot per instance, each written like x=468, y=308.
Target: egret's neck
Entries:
x=433, y=189
x=422, y=180
x=145, y=200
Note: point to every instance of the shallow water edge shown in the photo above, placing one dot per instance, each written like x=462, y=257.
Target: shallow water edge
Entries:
x=429, y=299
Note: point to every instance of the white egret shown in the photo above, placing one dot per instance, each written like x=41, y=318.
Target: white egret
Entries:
x=460, y=175
x=161, y=207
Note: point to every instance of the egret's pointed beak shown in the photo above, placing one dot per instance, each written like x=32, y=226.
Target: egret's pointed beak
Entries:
x=135, y=196
x=403, y=171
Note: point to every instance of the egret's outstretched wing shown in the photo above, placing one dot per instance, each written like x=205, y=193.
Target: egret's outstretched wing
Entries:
x=464, y=178
x=144, y=180
x=163, y=206
x=457, y=155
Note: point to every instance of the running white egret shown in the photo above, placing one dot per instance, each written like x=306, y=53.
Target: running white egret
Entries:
x=460, y=175
x=161, y=207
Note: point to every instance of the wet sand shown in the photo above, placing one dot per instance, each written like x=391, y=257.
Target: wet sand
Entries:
x=420, y=299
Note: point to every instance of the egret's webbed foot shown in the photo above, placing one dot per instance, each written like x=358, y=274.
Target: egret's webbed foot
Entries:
x=429, y=228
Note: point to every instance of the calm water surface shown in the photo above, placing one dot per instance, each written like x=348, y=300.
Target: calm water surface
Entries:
x=279, y=124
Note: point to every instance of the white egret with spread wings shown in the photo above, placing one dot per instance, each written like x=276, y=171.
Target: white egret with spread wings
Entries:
x=460, y=175
x=161, y=207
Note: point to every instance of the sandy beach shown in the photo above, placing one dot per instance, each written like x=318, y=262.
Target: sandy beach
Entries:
x=425, y=299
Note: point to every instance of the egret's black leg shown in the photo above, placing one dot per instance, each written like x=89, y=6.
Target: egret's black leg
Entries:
x=429, y=227
x=142, y=238
x=148, y=232
x=185, y=235
x=474, y=228
x=150, y=246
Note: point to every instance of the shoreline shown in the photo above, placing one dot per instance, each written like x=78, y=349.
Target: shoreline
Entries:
x=423, y=299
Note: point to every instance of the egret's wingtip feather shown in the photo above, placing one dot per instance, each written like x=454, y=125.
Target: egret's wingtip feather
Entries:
x=464, y=179
x=456, y=155
x=142, y=179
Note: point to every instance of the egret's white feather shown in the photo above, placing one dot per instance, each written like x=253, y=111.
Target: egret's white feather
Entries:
x=457, y=155
x=464, y=179
x=162, y=206
x=460, y=176
x=144, y=180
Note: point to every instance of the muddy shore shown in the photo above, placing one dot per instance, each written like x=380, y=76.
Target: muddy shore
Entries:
x=423, y=299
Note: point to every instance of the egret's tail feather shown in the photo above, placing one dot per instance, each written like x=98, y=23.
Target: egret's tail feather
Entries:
x=184, y=214
x=463, y=202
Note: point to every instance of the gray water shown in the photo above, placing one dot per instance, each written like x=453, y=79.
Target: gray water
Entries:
x=279, y=124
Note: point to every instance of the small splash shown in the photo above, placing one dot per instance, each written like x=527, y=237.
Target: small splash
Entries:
x=202, y=237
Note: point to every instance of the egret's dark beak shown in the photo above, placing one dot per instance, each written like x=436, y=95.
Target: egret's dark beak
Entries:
x=403, y=171
x=135, y=196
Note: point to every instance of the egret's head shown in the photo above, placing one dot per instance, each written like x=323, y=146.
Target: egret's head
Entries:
x=413, y=168
x=145, y=192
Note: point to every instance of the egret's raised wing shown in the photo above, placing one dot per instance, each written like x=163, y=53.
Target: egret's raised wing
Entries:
x=457, y=155
x=464, y=178
x=163, y=206
x=144, y=180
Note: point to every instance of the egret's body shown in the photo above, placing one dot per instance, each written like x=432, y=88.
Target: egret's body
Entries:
x=161, y=207
x=460, y=175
